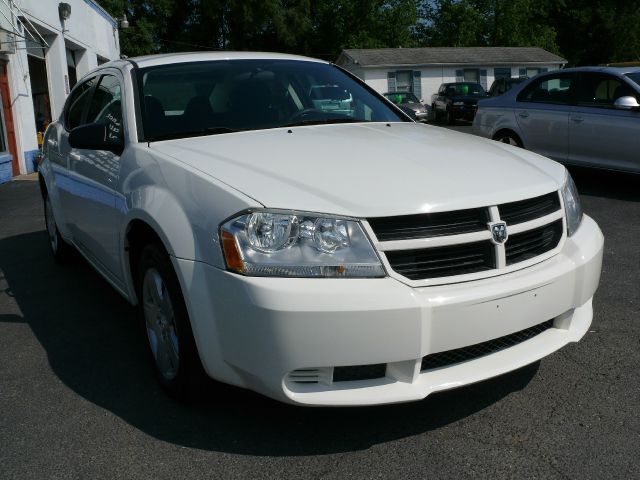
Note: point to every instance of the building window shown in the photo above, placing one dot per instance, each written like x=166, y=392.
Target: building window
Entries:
x=472, y=75
x=405, y=81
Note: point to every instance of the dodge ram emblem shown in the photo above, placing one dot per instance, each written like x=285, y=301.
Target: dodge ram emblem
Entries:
x=499, y=233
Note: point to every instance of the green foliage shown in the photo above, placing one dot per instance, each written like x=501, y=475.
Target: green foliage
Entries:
x=584, y=31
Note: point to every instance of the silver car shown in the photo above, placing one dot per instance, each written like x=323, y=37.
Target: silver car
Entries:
x=584, y=116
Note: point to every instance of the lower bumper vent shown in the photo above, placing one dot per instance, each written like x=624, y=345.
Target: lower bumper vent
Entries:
x=326, y=375
x=464, y=354
x=359, y=372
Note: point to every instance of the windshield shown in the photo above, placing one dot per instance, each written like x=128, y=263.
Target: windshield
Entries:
x=635, y=77
x=465, y=89
x=214, y=97
x=401, y=97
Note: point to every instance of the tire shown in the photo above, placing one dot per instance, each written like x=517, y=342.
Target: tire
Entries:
x=166, y=324
x=435, y=114
x=60, y=249
x=509, y=138
x=451, y=120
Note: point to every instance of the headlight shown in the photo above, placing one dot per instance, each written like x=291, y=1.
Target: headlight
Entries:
x=458, y=104
x=572, y=206
x=291, y=244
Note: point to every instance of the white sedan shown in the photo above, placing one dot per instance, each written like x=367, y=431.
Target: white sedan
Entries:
x=317, y=257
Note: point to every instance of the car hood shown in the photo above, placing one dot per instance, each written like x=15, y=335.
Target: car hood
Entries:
x=368, y=169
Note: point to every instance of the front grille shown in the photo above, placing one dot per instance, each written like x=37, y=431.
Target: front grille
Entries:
x=526, y=245
x=443, y=261
x=450, y=257
x=472, y=352
x=530, y=209
x=429, y=224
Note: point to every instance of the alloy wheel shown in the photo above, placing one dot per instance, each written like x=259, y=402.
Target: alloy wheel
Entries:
x=160, y=323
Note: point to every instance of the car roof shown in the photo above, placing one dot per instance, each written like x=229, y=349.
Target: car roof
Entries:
x=185, y=57
x=603, y=69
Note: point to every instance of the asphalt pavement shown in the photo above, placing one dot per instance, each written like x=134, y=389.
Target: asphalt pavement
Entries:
x=77, y=397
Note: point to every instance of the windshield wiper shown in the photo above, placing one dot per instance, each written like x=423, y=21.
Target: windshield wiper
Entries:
x=195, y=133
x=323, y=121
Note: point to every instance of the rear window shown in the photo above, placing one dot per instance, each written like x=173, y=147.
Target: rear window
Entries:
x=401, y=97
x=465, y=89
x=553, y=89
x=635, y=77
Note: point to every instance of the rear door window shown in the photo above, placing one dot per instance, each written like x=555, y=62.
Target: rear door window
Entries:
x=551, y=89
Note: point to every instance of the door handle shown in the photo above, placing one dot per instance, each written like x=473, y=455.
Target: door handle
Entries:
x=523, y=114
x=576, y=119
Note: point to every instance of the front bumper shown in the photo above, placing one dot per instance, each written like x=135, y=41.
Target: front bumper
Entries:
x=253, y=332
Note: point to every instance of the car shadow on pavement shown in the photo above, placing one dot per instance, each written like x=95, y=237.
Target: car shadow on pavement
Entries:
x=95, y=348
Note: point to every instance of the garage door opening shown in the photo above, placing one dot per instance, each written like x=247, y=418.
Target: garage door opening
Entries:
x=39, y=85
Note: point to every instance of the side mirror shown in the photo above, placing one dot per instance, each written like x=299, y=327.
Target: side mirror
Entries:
x=626, y=103
x=96, y=136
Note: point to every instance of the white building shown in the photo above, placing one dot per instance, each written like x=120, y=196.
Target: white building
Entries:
x=45, y=46
x=422, y=70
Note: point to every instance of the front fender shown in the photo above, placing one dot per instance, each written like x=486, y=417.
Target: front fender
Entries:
x=160, y=210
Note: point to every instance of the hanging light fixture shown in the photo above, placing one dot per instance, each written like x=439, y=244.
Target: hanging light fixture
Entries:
x=64, y=11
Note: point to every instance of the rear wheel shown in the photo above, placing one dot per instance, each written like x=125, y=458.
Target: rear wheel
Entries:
x=59, y=248
x=166, y=323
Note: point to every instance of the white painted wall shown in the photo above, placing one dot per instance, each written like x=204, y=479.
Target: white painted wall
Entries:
x=89, y=32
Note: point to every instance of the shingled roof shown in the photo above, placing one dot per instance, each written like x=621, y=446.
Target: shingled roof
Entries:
x=370, y=57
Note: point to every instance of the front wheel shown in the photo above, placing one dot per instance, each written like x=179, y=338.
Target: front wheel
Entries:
x=508, y=138
x=166, y=323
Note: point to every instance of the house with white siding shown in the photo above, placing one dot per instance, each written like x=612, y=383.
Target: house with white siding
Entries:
x=422, y=70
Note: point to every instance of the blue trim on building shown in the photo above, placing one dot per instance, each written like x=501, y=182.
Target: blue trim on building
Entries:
x=6, y=170
x=30, y=160
x=103, y=13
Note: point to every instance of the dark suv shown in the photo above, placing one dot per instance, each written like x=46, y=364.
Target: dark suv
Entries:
x=457, y=100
